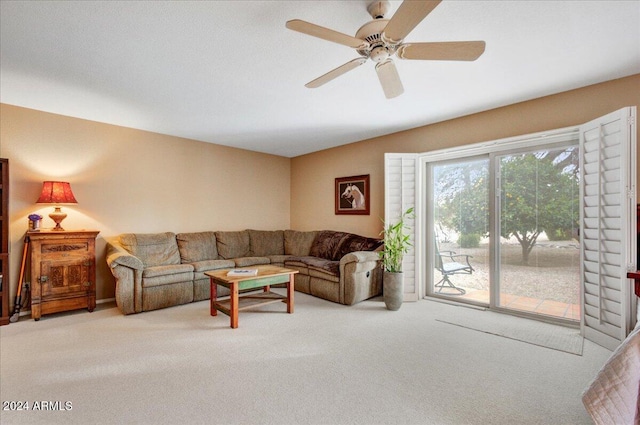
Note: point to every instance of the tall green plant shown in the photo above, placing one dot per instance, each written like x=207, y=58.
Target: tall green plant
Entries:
x=396, y=243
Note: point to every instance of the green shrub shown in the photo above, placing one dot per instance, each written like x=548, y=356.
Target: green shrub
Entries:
x=559, y=234
x=471, y=240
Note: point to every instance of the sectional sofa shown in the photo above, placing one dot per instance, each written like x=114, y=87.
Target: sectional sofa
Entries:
x=159, y=270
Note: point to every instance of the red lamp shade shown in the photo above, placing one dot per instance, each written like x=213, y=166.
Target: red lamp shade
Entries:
x=56, y=193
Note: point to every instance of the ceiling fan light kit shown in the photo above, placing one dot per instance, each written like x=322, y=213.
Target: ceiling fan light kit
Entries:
x=389, y=79
x=381, y=39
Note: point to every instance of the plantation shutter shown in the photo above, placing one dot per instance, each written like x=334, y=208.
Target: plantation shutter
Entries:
x=400, y=194
x=608, y=178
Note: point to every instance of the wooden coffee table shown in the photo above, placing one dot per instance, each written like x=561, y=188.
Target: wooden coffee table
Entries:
x=267, y=275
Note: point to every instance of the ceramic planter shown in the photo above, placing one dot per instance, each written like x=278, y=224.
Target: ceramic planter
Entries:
x=393, y=290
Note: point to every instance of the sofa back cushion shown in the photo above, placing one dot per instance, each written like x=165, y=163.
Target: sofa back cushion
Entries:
x=357, y=243
x=326, y=244
x=265, y=242
x=298, y=243
x=333, y=245
x=153, y=249
x=196, y=247
x=233, y=244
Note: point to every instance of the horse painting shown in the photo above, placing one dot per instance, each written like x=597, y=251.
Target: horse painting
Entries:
x=353, y=194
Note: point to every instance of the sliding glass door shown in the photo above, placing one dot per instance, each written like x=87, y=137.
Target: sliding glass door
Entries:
x=538, y=216
x=505, y=231
x=461, y=229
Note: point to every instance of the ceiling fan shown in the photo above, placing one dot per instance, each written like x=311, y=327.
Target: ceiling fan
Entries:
x=382, y=38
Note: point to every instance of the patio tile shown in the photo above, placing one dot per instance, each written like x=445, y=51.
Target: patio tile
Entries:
x=506, y=299
x=574, y=312
x=525, y=303
x=516, y=302
x=477, y=295
x=553, y=308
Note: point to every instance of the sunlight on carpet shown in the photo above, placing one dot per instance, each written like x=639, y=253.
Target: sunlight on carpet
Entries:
x=546, y=335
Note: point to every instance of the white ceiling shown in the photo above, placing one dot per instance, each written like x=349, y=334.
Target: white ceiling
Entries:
x=229, y=72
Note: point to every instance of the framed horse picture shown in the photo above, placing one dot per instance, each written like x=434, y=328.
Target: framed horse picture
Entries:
x=352, y=195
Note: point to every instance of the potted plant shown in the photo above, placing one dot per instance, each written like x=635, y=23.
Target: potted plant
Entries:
x=396, y=244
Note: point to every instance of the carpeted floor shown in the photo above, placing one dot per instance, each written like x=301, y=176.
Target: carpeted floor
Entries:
x=324, y=364
x=547, y=335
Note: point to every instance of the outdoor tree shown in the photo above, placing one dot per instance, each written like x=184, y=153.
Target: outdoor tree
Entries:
x=538, y=193
x=462, y=197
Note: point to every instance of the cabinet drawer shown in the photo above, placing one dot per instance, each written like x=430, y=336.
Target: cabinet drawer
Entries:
x=66, y=249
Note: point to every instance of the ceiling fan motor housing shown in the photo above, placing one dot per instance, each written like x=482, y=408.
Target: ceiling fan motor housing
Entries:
x=371, y=32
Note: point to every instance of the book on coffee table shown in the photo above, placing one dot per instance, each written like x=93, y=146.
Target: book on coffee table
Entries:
x=243, y=272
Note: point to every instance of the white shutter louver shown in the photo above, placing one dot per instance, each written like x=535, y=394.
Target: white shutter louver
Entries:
x=400, y=195
x=608, y=185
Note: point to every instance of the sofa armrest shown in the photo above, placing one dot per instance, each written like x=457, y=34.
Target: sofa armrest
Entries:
x=127, y=270
x=360, y=276
x=118, y=256
x=365, y=261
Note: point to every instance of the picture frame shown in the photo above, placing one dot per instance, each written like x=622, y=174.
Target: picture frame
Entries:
x=352, y=195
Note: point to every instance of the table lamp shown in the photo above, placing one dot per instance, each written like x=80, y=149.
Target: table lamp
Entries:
x=56, y=193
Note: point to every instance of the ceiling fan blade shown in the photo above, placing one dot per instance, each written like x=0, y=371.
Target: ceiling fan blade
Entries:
x=447, y=51
x=326, y=34
x=389, y=79
x=409, y=14
x=342, y=69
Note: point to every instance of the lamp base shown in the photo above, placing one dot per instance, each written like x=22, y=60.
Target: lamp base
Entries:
x=57, y=216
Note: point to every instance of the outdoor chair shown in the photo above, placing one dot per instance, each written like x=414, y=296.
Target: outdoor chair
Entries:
x=449, y=263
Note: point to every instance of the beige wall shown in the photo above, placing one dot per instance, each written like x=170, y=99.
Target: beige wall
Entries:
x=312, y=176
x=128, y=180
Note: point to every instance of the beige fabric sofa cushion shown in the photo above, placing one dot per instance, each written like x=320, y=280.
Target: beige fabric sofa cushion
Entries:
x=233, y=244
x=167, y=275
x=208, y=265
x=265, y=242
x=278, y=260
x=298, y=243
x=325, y=269
x=198, y=246
x=153, y=249
x=250, y=261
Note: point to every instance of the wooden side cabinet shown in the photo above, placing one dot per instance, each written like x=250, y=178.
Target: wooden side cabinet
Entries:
x=63, y=271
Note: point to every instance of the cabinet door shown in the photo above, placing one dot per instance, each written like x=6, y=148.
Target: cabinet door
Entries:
x=66, y=267
x=66, y=277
